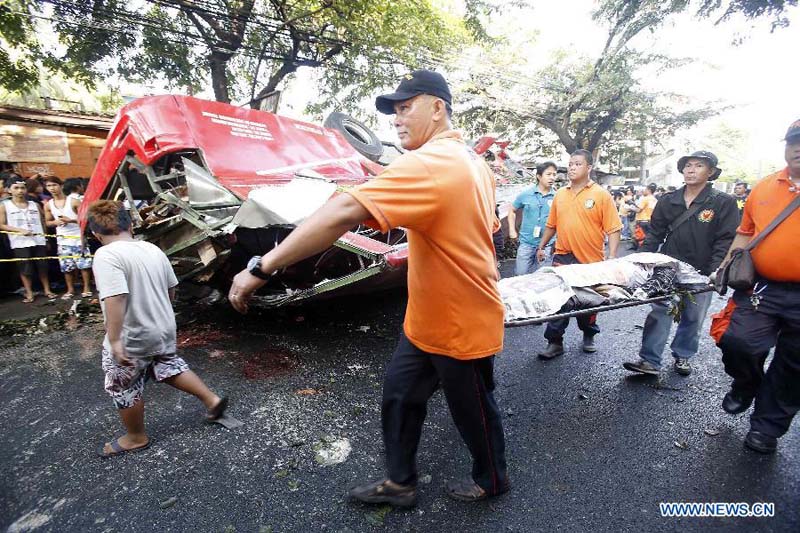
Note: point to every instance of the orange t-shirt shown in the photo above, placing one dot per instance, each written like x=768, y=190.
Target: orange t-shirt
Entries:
x=582, y=220
x=443, y=194
x=647, y=204
x=776, y=257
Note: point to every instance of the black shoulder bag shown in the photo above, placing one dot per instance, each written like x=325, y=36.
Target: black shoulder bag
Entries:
x=692, y=211
x=689, y=213
x=740, y=273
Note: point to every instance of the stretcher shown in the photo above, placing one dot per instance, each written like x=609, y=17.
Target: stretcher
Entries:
x=575, y=290
x=602, y=308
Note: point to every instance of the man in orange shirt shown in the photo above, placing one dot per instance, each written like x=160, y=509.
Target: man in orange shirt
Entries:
x=583, y=213
x=644, y=212
x=454, y=320
x=768, y=315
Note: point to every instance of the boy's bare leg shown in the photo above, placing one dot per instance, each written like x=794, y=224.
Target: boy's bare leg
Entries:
x=69, y=277
x=190, y=382
x=45, y=280
x=27, y=283
x=86, y=280
x=133, y=420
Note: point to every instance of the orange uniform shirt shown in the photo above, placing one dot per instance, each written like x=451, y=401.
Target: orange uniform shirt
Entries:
x=647, y=204
x=776, y=257
x=443, y=194
x=581, y=220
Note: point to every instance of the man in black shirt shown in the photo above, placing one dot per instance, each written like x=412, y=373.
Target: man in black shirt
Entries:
x=740, y=192
x=702, y=240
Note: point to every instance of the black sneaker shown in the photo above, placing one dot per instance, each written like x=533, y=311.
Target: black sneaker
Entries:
x=641, y=366
x=734, y=403
x=682, y=366
x=382, y=491
x=759, y=442
x=553, y=350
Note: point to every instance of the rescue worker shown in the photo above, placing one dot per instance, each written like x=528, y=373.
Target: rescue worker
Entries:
x=534, y=203
x=583, y=214
x=454, y=320
x=768, y=315
x=644, y=212
x=695, y=224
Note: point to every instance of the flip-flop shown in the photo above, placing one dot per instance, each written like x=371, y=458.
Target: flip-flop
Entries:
x=28, y=300
x=52, y=296
x=86, y=295
x=466, y=490
x=67, y=296
x=218, y=410
x=119, y=450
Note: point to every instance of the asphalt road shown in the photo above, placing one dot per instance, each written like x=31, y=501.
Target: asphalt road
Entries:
x=590, y=448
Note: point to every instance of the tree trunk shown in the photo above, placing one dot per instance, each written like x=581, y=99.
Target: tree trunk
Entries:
x=286, y=68
x=566, y=139
x=218, y=64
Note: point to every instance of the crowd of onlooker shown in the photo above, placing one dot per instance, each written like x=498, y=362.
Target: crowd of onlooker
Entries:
x=38, y=220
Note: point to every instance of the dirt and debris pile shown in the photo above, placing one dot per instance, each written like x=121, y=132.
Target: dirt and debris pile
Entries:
x=79, y=313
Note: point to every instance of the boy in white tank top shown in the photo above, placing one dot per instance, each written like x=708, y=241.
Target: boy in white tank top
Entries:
x=24, y=220
x=61, y=212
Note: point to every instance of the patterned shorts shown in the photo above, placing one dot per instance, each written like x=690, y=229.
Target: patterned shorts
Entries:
x=68, y=264
x=125, y=384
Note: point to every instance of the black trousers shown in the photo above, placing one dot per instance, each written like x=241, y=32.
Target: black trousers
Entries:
x=554, y=332
x=411, y=379
x=746, y=332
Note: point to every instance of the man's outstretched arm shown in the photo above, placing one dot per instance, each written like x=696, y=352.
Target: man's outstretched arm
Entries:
x=314, y=235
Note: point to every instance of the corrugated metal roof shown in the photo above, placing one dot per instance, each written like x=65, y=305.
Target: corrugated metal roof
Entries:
x=56, y=118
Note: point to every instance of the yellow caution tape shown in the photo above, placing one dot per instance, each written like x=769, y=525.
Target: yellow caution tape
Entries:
x=17, y=259
x=41, y=235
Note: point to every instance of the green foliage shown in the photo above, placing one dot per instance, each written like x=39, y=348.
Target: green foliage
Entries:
x=380, y=40
x=633, y=14
x=598, y=104
x=111, y=102
x=245, y=47
x=175, y=60
x=574, y=103
x=478, y=14
x=18, y=71
x=733, y=147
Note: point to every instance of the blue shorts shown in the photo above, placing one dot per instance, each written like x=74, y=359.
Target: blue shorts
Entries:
x=75, y=258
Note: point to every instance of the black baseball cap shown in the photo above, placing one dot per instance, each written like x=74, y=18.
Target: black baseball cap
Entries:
x=704, y=155
x=793, y=133
x=414, y=84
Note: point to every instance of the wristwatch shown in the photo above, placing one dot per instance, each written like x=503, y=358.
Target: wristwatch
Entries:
x=254, y=267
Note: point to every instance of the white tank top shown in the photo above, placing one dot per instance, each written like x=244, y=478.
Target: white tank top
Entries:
x=24, y=218
x=72, y=229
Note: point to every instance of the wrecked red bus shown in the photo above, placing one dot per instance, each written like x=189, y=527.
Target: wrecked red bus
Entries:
x=212, y=184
